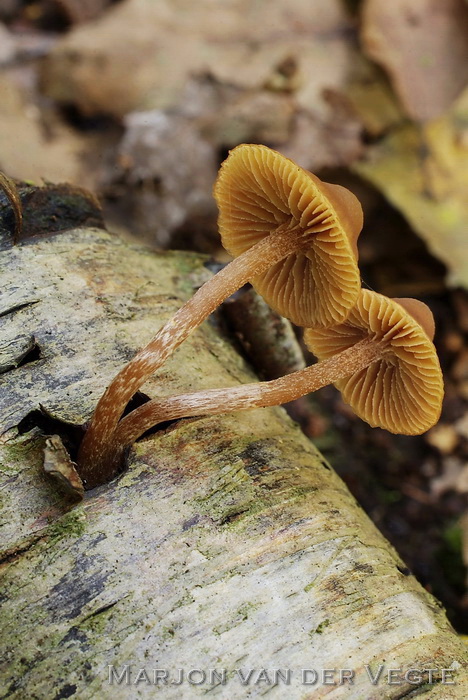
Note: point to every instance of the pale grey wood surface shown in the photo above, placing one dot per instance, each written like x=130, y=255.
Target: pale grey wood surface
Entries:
x=228, y=544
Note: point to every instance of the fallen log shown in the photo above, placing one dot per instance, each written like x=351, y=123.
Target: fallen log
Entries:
x=228, y=558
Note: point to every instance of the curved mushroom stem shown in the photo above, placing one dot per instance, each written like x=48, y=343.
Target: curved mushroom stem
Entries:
x=93, y=455
x=238, y=398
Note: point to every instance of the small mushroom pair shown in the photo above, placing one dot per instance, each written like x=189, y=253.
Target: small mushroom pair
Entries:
x=295, y=240
x=381, y=359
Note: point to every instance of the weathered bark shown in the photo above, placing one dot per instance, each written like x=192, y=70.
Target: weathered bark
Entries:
x=228, y=544
x=267, y=339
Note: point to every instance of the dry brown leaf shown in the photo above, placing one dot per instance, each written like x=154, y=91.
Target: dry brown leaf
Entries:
x=258, y=116
x=163, y=177
x=331, y=141
x=454, y=477
x=443, y=437
x=31, y=151
x=59, y=466
x=76, y=11
x=7, y=45
x=140, y=54
x=372, y=98
x=423, y=46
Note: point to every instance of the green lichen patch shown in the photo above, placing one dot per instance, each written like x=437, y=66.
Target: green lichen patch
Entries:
x=71, y=525
x=321, y=627
x=17, y=449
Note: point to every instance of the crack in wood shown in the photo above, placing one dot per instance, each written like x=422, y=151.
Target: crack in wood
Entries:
x=418, y=689
x=102, y=609
x=18, y=307
x=10, y=555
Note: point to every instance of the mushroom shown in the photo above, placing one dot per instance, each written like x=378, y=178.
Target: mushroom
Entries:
x=402, y=391
x=381, y=358
x=294, y=238
x=261, y=196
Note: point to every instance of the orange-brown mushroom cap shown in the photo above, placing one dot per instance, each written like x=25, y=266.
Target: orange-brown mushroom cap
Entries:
x=403, y=390
x=258, y=192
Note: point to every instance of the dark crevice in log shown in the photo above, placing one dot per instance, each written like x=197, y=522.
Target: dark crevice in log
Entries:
x=70, y=434
x=404, y=570
x=99, y=611
x=32, y=354
x=418, y=689
x=232, y=517
x=66, y=692
x=167, y=426
x=27, y=352
x=18, y=307
x=10, y=555
x=324, y=463
x=137, y=400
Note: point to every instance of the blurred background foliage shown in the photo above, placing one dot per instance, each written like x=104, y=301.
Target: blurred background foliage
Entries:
x=140, y=101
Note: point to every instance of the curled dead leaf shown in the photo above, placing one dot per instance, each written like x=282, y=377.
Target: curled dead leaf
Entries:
x=58, y=465
x=423, y=46
x=423, y=172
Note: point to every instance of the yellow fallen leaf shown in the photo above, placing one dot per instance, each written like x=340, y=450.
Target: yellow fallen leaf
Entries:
x=423, y=172
x=372, y=98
